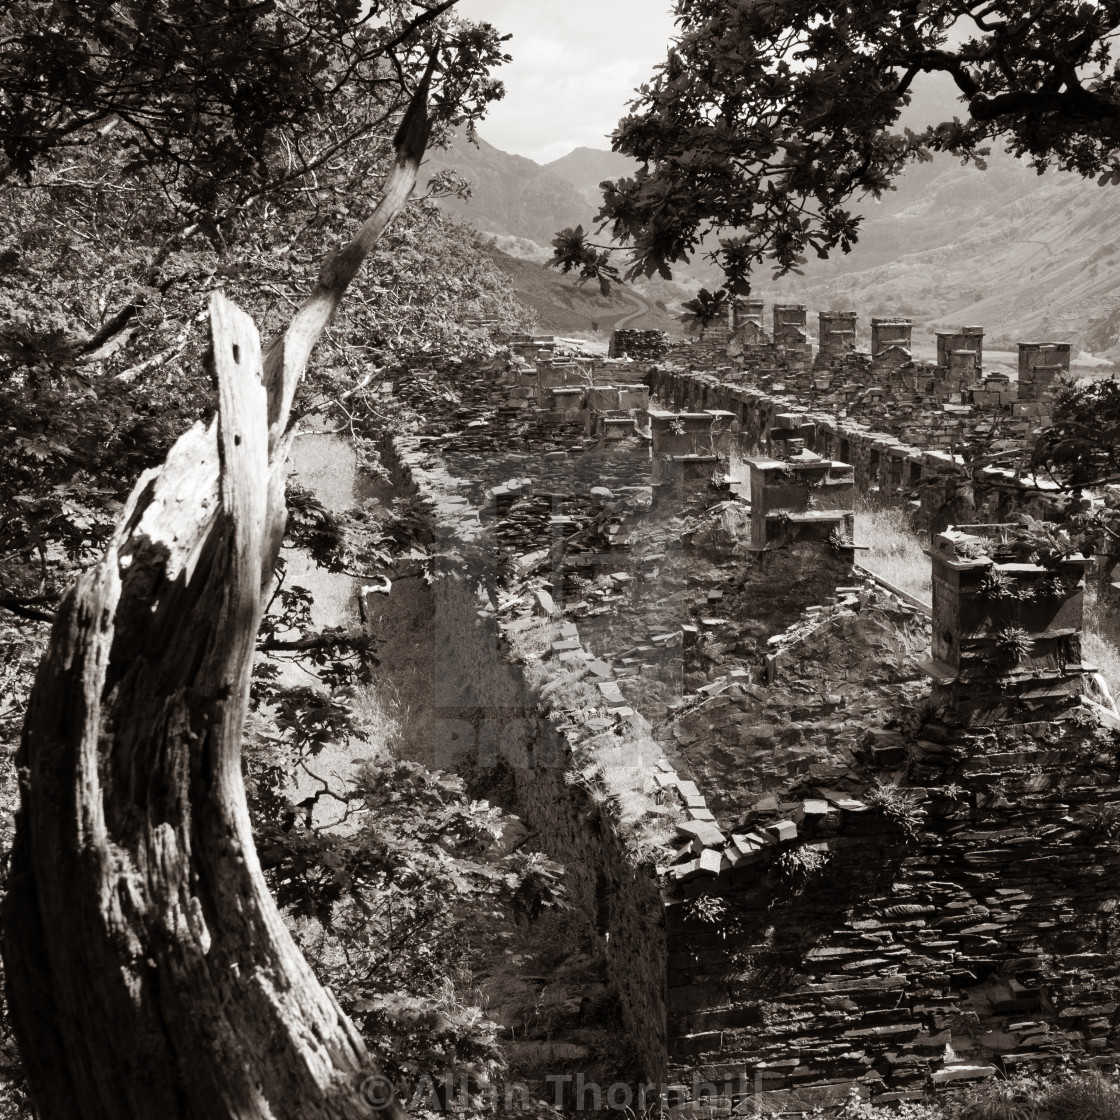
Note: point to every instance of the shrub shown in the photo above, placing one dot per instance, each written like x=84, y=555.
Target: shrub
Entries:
x=996, y=1100
x=707, y=909
x=1100, y=821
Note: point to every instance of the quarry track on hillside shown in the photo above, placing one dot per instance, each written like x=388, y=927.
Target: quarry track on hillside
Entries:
x=644, y=308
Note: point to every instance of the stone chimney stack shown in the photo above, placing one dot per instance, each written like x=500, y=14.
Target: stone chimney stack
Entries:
x=804, y=498
x=790, y=324
x=837, y=333
x=743, y=310
x=1040, y=365
x=887, y=333
x=1006, y=630
x=967, y=338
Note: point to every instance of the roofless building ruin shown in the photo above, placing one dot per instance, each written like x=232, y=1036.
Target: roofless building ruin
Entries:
x=882, y=859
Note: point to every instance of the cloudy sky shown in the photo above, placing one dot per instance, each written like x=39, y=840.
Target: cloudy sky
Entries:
x=575, y=65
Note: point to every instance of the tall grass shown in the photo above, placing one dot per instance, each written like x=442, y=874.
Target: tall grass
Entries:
x=894, y=551
x=1102, y=655
x=379, y=714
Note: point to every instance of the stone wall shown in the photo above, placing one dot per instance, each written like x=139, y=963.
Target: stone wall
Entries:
x=638, y=345
x=885, y=467
x=486, y=715
x=975, y=919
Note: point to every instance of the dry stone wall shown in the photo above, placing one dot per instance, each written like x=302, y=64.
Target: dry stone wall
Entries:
x=977, y=920
x=639, y=346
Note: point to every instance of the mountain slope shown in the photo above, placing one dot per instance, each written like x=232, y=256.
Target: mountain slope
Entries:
x=586, y=168
x=1020, y=254
x=510, y=194
x=562, y=305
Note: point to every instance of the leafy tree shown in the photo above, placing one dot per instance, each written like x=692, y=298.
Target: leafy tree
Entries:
x=701, y=312
x=1081, y=447
x=397, y=902
x=224, y=100
x=1080, y=451
x=188, y=119
x=194, y=927
x=81, y=426
x=571, y=252
x=768, y=120
x=103, y=287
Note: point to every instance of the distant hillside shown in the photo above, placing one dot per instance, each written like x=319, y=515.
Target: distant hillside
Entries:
x=523, y=205
x=1023, y=255
x=1026, y=256
x=562, y=305
x=586, y=168
x=510, y=194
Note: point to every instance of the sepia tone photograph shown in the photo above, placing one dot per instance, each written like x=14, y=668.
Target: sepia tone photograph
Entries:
x=559, y=560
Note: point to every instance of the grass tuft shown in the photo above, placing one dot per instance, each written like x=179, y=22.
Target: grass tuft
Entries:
x=1104, y=656
x=895, y=552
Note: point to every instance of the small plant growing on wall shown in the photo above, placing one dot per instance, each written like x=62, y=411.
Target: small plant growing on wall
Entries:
x=1054, y=588
x=1012, y=644
x=797, y=866
x=997, y=584
x=838, y=540
x=711, y=911
x=973, y=550
x=1101, y=822
x=901, y=806
x=707, y=909
x=1041, y=542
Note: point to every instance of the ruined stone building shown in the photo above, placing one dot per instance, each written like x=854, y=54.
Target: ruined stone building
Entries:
x=831, y=836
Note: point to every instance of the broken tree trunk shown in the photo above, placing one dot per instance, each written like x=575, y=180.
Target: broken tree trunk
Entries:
x=150, y=974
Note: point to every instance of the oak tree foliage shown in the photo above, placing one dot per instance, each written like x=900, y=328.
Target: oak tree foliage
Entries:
x=169, y=149
x=1081, y=447
x=703, y=310
x=770, y=122
x=222, y=101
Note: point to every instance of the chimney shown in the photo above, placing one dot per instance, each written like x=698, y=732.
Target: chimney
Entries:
x=1006, y=628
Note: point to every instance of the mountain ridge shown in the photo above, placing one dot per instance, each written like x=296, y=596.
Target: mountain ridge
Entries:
x=1022, y=254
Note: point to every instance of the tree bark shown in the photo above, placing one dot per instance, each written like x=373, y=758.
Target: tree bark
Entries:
x=149, y=972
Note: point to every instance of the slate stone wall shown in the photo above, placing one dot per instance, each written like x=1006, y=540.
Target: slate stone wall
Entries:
x=485, y=714
x=990, y=933
x=885, y=468
x=638, y=345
